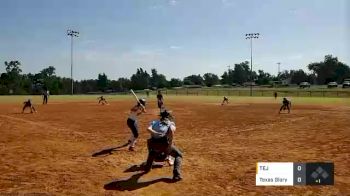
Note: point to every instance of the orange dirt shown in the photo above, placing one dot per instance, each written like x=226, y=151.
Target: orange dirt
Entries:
x=51, y=151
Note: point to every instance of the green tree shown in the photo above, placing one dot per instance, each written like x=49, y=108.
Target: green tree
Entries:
x=154, y=78
x=329, y=70
x=298, y=76
x=241, y=73
x=158, y=80
x=193, y=80
x=48, y=72
x=13, y=77
x=175, y=82
x=285, y=75
x=162, y=81
x=225, y=78
x=102, y=82
x=211, y=79
x=263, y=78
x=140, y=80
x=124, y=84
x=48, y=79
x=13, y=67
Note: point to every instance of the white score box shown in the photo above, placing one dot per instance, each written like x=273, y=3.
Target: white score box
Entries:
x=274, y=174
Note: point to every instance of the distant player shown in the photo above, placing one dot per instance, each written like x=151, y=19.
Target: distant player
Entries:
x=160, y=100
x=102, y=100
x=286, y=104
x=28, y=104
x=132, y=122
x=160, y=145
x=225, y=101
x=46, y=95
x=275, y=95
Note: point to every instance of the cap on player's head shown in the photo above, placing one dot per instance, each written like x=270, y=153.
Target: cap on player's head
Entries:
x=142, y=101
x=284, y=98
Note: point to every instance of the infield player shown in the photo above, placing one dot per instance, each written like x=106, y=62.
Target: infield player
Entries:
x=275, y=95
x=225, y=100
x=286, y=104
x=102, y=100
x=160, y=145
x=28, y=104
x=135, y=111
x=160, y=100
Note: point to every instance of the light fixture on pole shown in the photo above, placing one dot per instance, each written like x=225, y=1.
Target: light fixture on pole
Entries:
x=72, y=34
x=251, y=36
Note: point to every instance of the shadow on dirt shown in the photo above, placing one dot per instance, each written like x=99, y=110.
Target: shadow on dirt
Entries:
x=133, y=183
x=20, y=113
x=136, y=168
x=109, y=151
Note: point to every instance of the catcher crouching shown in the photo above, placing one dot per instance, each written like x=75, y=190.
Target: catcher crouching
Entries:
x=160, y=145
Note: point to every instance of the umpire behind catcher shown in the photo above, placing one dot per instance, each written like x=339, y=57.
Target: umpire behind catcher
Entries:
x=160, y=144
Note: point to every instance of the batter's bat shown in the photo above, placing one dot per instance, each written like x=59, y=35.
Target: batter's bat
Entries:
x=137, y=99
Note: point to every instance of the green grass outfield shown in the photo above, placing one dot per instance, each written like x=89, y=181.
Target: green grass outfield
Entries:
x=208, y=99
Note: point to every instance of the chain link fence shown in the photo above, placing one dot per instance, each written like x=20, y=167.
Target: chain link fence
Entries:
x=256, y=93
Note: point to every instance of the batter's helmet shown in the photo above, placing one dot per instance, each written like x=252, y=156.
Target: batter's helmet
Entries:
x=143, y=101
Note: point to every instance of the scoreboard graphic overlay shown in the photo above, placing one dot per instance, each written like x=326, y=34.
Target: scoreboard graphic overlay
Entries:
x=292, y=174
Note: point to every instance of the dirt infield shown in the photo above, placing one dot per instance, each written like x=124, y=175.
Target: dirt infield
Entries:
x=51, y=151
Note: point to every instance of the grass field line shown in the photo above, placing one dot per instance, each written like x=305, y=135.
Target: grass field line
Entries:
x=58, y=99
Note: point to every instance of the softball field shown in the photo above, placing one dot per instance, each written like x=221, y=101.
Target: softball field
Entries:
x=50, y=152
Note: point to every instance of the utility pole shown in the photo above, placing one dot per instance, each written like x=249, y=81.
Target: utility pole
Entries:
x=251, y=36
x=279, y=69
x=72, y=34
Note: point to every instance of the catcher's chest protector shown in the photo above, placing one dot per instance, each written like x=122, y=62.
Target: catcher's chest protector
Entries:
x=161, y=145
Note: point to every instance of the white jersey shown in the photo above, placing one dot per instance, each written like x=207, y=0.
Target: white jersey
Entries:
x=133, y=113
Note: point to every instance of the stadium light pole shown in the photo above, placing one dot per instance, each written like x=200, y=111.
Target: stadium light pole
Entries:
x=279, y=68
x=72, y=34
x=251, y=36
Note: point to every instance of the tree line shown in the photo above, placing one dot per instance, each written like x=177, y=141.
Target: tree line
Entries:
x=13, y=81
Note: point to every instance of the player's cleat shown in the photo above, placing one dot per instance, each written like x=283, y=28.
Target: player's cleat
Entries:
x=170, y=160
x=177, y=178
x=131, y=148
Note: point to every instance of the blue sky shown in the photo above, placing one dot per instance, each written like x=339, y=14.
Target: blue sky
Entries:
x=178, y=37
